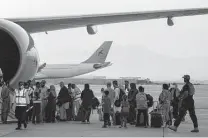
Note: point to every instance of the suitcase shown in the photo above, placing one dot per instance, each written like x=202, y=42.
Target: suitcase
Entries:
x=118, y=118
x=156, y=116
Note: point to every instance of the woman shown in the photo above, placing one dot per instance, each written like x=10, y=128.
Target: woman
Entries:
x=86, y=97
x=51, y=105
x=164, y=99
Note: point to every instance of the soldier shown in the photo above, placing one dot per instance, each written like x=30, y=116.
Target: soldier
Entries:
x=186, y=95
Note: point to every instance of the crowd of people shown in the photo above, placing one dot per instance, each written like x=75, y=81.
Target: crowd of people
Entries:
x=120, y=106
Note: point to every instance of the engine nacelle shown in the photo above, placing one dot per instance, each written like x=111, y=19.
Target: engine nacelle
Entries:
x=170, y=21
x=91, y=29
x=19, y=58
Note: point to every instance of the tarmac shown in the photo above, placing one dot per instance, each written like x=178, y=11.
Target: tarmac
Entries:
x=94, y=129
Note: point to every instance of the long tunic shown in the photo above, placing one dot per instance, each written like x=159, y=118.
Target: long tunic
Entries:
x=5, y=95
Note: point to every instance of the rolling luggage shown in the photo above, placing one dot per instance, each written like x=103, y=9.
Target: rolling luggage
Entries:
x=156, y=116
x=118, y=118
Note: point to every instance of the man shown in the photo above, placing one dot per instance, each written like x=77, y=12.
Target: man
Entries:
x=76, y=99
x=36, y=112
x=5, y=95
x=117, y=109
x=22, y=102
x=63, y=101
x=29, y=93
x=112, y=97
x=44, y=97
x=132, y=102
x=127, y=89
x=69, y=111
x=186, y=95
x=175, y=92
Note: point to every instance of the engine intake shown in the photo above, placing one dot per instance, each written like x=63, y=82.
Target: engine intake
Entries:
x=17, y=52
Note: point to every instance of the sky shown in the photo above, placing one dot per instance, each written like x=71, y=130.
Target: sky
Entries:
x=148, y=49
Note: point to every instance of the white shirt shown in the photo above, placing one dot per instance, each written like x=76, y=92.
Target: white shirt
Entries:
x=117, y=92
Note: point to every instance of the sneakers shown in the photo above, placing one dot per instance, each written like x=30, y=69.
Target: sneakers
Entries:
x=196, y=130
x=174, y=128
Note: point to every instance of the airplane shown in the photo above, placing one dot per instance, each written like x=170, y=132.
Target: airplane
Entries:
x=93, y=63
x=19, y=59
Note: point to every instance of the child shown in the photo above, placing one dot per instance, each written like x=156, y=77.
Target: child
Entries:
x=124, y=111
x=106, y=109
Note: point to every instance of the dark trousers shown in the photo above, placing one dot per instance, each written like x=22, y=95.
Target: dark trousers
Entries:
x=36, y=112
x=175, y=111
x=20, y=114
x=144, y=111
x=106, y=117
x=132, y=114
x=187, y=105
x=50, y=115
x=86, y=114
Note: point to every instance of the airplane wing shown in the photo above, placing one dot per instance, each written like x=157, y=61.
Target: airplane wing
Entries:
x=34, y=25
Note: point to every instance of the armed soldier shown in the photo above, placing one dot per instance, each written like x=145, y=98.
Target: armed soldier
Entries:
x=186, y=95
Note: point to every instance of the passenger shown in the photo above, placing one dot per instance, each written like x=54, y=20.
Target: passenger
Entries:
x=70, y=110
x=164, y=99
x=30, y=93
x=116, y=109
x=142, y=107
x=132, y=102
x=102, y=93
x=5, y=95
x=112, y=97
x=87, y=96
x=186, y=95
x=36, y=114
x=106, y=109
x=124, y=111
x=51, y=105
x=44, y=98
x=127, y=89
x=63, y=101
x=175, y=101
x=76, y=99
x=26, y=87
x=22, y=101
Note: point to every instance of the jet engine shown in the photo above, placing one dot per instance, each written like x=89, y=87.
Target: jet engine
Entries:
x=170, y=21
x=91, y=29
x=18, y=57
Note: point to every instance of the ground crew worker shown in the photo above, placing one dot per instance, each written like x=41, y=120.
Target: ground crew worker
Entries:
x=22, y=101
x=186, y=95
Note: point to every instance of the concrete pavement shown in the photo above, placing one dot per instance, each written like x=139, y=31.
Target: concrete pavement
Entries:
x=77, y=129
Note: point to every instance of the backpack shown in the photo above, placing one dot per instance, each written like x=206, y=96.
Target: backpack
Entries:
x=118, y=101
x=125, y=108
x=141, y=100
x=150, y=100
x=191, y=89
x=95, y=103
